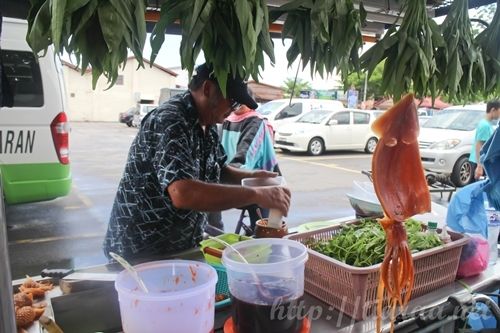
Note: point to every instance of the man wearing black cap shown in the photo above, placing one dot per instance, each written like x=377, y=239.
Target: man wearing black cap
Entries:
x=173, y=172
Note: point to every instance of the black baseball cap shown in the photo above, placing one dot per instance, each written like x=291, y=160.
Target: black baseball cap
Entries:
x=236, y=87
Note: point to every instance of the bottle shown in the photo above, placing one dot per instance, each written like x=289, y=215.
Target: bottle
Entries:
x=493, y=218
x=432, y=227
x=445, y=236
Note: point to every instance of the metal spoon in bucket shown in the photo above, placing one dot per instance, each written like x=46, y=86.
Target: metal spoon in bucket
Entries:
x=133, y=272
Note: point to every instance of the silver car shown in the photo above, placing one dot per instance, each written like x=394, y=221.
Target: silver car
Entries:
x=446, y=140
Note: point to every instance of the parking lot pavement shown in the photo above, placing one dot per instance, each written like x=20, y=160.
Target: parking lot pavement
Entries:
x=68, y=232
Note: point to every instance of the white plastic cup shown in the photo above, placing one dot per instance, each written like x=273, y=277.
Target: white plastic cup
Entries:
x=181, y=298
x=275, y=217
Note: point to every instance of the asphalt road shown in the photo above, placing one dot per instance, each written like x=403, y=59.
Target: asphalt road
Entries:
x=68, y=232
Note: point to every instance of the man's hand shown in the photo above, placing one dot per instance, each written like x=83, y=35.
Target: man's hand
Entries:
x=277, y=197
x=479, y=172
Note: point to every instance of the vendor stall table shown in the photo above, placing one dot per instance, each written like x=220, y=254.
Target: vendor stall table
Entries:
x=95, y=303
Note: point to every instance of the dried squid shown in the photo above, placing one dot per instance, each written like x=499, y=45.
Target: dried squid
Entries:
x=402, y=190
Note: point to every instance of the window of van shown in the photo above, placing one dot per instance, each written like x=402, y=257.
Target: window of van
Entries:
x=23, y=75
x=361, y=118
x=290, y=111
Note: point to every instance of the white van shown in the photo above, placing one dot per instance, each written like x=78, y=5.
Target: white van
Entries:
x=34, y=132
x=283, y=111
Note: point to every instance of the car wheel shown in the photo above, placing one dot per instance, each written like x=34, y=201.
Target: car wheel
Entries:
x=316, y=147
x=371, y=144
x=462, y=172
x=285, y=150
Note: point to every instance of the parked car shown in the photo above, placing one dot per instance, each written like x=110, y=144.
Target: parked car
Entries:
x=321, y=130
x=283, y=111
x=446, y=139
x=127, y=116
x=141, y=111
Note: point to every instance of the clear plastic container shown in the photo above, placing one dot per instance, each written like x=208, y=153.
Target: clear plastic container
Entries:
x=275, y=217
x=267, y=291
x=432, y=228
x=181, y=298
x=493, y=217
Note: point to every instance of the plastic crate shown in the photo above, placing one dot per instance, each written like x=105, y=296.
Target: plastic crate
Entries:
x=353, y=290
x=222, y=287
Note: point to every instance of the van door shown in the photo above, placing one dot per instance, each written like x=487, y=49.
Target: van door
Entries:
x=339, y=131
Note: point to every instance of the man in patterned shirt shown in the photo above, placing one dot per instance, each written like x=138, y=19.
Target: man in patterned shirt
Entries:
x=173, y=171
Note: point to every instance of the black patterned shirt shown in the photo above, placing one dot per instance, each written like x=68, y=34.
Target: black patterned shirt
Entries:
x=170, y=145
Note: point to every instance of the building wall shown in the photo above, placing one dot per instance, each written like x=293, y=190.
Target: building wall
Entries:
x=100, y=104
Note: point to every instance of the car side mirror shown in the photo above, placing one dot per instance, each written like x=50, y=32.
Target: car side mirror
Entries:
x=333, y=122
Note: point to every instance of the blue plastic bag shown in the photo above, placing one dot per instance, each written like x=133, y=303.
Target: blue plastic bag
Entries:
x=466, y=213
x=490, y=158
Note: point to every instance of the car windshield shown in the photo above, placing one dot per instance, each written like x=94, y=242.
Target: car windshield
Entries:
x=270, y=107
x=315, y=117
x=455, y=119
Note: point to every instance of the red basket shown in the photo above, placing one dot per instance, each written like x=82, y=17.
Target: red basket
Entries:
x=353, y=290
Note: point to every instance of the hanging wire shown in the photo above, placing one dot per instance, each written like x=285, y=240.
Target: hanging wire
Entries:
x=294, y=83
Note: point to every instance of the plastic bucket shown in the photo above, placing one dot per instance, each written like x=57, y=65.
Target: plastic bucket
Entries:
x=267, y=291
x=181, y=298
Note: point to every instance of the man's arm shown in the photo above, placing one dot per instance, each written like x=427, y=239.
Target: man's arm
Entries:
x=201, y=196
x=479, y=169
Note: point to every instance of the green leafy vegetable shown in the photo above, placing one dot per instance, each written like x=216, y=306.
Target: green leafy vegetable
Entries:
x=408, y=52
x=233, y=35
x=489, y=39
x=98, y=33
x=461, y=63
x=363, y=244
x=325, y=33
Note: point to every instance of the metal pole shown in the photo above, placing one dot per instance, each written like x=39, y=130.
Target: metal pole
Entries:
x=7, y=322
x=366, y=86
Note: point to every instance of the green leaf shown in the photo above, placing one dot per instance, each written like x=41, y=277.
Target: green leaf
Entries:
x=58, y=8
x=112, y=26
x=38, y=37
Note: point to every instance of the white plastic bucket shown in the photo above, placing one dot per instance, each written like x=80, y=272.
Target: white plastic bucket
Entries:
x=181, y=298
x=267, y=291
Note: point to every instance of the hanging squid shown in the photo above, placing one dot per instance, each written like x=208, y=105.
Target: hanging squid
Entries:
x=402, y=190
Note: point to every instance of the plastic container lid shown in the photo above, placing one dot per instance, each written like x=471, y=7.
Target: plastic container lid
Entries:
x=432, y=225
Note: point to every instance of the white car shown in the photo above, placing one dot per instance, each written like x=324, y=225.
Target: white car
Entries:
x=284, y=111
x=446, y=140
x=321, y=130
x=141, y=111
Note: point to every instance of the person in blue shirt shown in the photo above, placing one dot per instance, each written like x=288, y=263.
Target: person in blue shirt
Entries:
x=484, y=130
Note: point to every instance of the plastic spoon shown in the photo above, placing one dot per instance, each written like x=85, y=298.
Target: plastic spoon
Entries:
x=131, y=270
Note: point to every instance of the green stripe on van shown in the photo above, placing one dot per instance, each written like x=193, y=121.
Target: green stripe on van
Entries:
x=35, y=182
